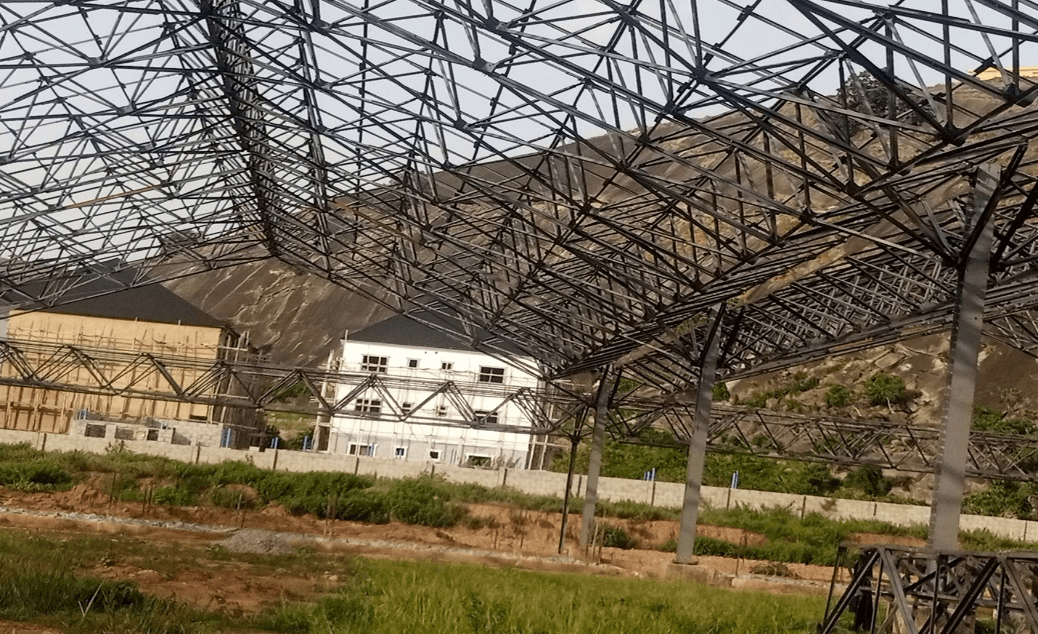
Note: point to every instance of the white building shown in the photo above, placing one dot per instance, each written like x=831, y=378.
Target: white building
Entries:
x=417, y=385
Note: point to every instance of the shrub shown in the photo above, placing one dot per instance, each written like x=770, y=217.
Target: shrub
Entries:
x=424, y=501
x=174, y=496
x=885, y=389
x=36, y=475
x=869, y=479
x=720, y=392
x=230, y=498
x=1002, y=498
x=838, y=396
x=617, y=537
x=363, y=506
x=991, y=420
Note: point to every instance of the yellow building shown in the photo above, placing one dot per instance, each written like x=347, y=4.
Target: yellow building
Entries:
x=112, y=330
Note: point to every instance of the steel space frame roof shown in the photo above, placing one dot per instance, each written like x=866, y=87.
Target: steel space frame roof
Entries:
x=581, y=180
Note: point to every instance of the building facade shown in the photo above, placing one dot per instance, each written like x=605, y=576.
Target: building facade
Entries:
x=428, y=397
x=112, y=331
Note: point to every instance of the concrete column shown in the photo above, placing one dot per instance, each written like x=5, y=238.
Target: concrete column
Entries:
x=697, y=445
x=965, y=349
x=605, y=389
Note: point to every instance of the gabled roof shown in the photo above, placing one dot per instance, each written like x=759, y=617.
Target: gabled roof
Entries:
x=402, y=330
x=153, y=302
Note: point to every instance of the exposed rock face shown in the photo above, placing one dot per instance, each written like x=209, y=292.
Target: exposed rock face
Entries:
x=295, y=317
x=1005, y=382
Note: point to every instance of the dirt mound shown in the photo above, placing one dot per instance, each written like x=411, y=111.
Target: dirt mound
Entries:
x=258, y=542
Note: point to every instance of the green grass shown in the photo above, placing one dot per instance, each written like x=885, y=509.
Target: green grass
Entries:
x=40, y=581
x=389, y=597
x=45, y=580
x=425, y=500
x=814, y=539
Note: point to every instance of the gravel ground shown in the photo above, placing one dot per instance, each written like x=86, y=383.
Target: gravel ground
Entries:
x=258, y=542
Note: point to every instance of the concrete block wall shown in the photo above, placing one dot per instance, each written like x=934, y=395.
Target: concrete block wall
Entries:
x=661, y=494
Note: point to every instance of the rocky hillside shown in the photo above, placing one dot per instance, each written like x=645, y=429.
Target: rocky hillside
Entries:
x=1006, y=382
x=295, y=317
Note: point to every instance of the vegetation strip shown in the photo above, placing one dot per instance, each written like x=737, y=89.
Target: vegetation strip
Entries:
x=51, y=581
x=426, y=501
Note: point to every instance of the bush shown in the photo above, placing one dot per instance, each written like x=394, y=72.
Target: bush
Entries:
x=991, y=420
x=363, y=506
x=869, y=480
x=617, y=537
x=885, y=389
x=36, y=475
x=1002, y=498
x=424, y=501
x=838, y=396
x=174, y=496
x=720, y=392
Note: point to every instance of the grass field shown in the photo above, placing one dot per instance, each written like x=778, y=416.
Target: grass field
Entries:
x=426, y=501
x=48, y=580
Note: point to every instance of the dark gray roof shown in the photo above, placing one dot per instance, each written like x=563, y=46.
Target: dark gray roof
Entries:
x=154, y=303
x=402, y=330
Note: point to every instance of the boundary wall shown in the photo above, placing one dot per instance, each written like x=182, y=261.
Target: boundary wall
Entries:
x=663, y=494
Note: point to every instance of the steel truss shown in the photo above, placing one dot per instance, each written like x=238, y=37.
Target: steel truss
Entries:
x=937, y=592
x=581, y=184
x=250, y=385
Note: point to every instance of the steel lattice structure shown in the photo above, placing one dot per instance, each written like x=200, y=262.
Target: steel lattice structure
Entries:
x=583, y=179
x=935, y=592
x=249, y=385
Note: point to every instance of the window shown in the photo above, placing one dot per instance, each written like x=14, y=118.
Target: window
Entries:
x=488, y=374
x=441, y=411
x=374, y=364
x=400, y=452
x=95, y=431
x=412, y=363
x=361, y=450
x=447, y=365
x=476, y=460
x=486, y=418
x=407, y=407
x=434, y=454
x=368, y=406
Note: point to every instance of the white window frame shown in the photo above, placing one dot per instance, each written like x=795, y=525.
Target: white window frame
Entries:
x=374, y=363
x=491, y=374
x=367, y=406
x=356, y=447
x=447, y=366
x=413, y=363
x=442, y=411
x=436, y=458
x=400, y=453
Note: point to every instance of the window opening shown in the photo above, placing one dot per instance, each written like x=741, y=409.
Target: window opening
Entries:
x=361, y=450
x=479, y=461
x=488, y=374
x=368, y=406
x=373, y=363
x=486, y=418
